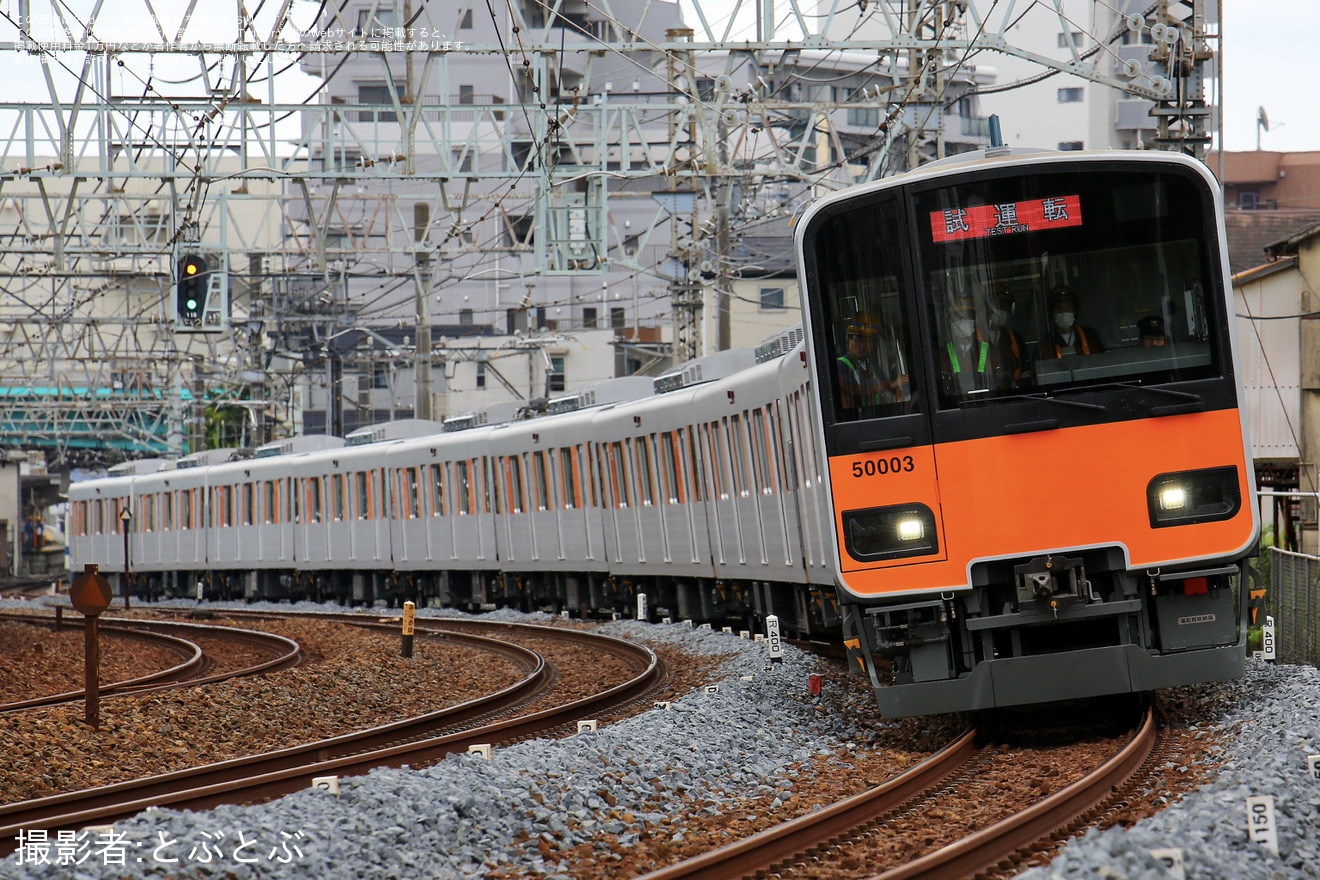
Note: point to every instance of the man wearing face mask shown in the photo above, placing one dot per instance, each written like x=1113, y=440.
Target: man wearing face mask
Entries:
x=969, y=360
x=1066, y=335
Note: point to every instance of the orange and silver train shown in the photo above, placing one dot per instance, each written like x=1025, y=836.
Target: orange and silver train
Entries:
x=1005, y=466
x=1036, y=462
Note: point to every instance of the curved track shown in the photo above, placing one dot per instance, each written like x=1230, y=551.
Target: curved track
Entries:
x=194, y=668
x=413, y=741
x=979, y=851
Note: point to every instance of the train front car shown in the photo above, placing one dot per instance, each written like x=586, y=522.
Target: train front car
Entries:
x=1025, y=381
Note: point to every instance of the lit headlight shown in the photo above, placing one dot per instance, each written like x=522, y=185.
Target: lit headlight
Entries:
x=1189, y=497
x=910, y=529
x=889, y=532
x=1173, y=498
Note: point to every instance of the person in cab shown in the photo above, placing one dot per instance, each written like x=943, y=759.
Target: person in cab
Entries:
x=866, y=375
x=1066, y=335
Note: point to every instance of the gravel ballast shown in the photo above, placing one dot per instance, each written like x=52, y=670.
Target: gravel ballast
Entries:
x=715, y=753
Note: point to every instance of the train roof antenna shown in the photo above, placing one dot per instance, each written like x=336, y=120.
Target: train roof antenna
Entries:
x=996, y=134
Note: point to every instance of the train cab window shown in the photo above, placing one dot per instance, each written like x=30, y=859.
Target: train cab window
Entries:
x=1054, y=282
x=866, y=351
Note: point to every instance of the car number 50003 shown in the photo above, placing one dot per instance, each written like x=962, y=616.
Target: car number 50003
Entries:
x=879, y=467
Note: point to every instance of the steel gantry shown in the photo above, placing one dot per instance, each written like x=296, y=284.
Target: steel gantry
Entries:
x=396, y=163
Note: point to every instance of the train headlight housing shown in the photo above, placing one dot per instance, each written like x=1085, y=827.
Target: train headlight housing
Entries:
x=1189, y=497
x=878, y=533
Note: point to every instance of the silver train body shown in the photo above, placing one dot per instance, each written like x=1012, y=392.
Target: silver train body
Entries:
x=706, y=497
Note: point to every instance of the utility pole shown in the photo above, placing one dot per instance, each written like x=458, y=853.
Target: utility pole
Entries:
x=422, y=362
x=1182, y=116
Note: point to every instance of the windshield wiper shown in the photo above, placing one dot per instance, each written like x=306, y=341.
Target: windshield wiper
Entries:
x=1046, y=398
x=1159, y=389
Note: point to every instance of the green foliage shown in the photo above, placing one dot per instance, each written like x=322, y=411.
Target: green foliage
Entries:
x=1255, y=639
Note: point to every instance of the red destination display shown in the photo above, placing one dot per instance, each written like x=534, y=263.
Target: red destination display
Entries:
x=1010, y=218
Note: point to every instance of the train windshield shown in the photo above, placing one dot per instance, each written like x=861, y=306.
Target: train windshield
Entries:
x=1051, y=281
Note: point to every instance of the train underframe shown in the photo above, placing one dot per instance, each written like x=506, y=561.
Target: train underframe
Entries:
x=805, y=612
x=1052, y=628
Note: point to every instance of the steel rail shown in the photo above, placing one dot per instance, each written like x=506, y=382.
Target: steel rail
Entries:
x=285, y=652
x=255, y=778
x=764, y=849
x=986, y=848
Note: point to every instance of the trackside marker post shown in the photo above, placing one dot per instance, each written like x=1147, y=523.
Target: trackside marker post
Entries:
x=1260, y=822
x=409, y=612
x=1313, y=765
x=90, y=595
x=1173, y=860
x=772, y=638
x=643, y=612
x=1267, y=642
x=328, y=784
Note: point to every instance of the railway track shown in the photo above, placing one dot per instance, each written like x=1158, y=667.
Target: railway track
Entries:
x=995, y=846
x=414, y=741
x=196, y=666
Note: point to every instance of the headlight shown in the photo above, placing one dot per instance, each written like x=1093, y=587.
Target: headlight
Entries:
x=1189, y=497
x=889, y=532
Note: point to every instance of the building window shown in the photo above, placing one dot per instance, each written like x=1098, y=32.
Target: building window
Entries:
x=518, y=230
x=376, y=94
x=465, y=317
x=616, y=319
x=1071, y=96
x=1248, y=200
x=465, y=23
x=555, y=380
x=465, y=95
x=380, y=375
x=772, y=299
x=589, y=318
x=1071, y=145
x=375, y=24
x=1076, y=40
x=481, y=375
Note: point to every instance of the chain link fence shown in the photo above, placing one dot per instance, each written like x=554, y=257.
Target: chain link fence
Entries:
x=1293, y=600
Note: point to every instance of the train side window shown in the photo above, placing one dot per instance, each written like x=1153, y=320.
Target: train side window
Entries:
x=314, y=498
x=272, y=514
x=542, y=478
x=619, y=475
x=645, y=485
x=412, y=494
x=363, y=495
x=437, y=490
x=517, y=502
x=245, y=504
x=568, y=476
x=463, y=485
x=693, y=466
x=669, y=467
x=167, y=511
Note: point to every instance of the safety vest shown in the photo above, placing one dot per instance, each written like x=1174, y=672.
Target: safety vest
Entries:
x=1081, y=337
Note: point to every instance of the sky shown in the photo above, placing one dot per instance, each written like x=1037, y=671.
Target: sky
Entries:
x=1268, y=47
